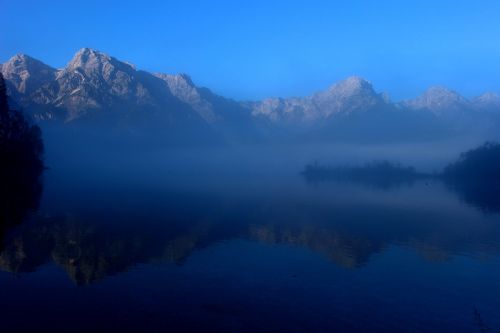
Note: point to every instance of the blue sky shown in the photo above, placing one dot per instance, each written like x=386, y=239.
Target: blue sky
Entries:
x=254, y=49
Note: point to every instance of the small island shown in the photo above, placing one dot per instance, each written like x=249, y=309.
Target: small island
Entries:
x=474, y=176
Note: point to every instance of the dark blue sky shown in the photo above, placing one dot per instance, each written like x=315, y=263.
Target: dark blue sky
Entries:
x=253, y=49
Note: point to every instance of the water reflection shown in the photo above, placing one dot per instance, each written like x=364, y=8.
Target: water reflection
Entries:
x=478, y=185
x=381, y=175
x=90, y=247
x=20, y=193
x=484, y=196
x=475, y=176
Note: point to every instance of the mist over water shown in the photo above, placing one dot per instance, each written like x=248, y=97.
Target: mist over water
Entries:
x=235, y=238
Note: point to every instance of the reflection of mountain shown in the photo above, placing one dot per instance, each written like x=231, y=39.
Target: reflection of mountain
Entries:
x=345, y=250
x=90, y=249
x=89, y=253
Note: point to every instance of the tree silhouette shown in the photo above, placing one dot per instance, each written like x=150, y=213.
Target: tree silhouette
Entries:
x=21, y=156
x=21, y=145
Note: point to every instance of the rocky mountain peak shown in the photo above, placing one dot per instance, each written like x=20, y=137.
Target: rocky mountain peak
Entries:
x=438, y=99
x=20, y=60
x=352, y=85
x=489, y=96
x=88, y=56
x=437, y=92
x=95, y=62
x=351, y=94
x=26, y=74
x=488, y=101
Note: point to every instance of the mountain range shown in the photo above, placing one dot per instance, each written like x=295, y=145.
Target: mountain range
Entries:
x=99, y=89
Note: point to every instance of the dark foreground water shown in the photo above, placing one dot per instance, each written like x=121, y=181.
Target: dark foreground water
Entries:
x=206, y=242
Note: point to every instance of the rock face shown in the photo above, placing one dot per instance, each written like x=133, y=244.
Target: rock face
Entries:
x=229, y=118
x=182, y=87
x=26, y=74
x=93, y=80
x=351, y=95
x=25, y=77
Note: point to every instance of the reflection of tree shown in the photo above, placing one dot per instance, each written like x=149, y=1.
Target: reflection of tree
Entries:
x=89, y=252
x=479, y=322
x=20, y=192
x=383, y=175
x=475, y=176
x=26, y=247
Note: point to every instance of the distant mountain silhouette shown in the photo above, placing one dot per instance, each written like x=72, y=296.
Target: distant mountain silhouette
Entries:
x=97, y=88
x=354, y=94
x=439, y=100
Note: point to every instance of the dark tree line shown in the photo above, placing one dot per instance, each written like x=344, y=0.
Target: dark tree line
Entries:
x=21, y=164
x=21, y=145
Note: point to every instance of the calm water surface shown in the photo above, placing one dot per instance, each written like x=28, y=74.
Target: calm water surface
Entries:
x=206, y=241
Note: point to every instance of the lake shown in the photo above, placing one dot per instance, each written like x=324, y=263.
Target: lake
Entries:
x=237, y=240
